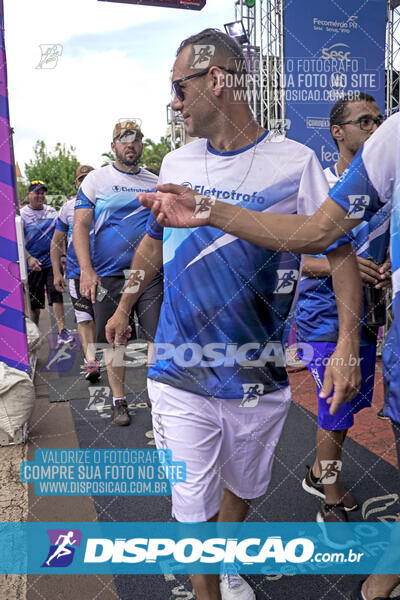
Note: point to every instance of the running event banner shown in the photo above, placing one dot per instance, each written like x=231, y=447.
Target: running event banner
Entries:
x=330, y=48
x=13, y=344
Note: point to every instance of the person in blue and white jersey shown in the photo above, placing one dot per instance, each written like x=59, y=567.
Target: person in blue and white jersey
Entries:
x=39, y=222
x=217, y=384
x=353, y=119
x=82, y=306
x=371, y=182
x=107, y=201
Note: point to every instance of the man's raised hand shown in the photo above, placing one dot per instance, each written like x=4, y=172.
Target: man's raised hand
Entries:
x=178, y=206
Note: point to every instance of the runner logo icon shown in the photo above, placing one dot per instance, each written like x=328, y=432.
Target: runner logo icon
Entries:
x=98, y=397
x=287, y=279
x=61, y=358
x=63, y=543
x=133, y=278
x=358, y=205
x=330, y=471
x=203, y=206
x=50, y=54
x=251, y=394
x=202, y=55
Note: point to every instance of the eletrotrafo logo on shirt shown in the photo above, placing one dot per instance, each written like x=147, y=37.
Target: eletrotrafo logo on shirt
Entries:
x=124, y=188
x=228, y=195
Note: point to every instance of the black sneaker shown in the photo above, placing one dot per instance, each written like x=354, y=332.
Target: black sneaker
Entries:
x=380, y=415
x=120, y=414
x=313, y=486
x=92, y=371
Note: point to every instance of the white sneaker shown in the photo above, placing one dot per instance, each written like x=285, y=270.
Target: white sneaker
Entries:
x=234, y=587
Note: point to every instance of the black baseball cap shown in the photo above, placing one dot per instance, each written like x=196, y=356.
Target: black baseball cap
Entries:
x=37, y=185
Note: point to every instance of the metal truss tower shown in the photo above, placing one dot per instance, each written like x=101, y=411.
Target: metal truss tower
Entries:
x=176, y=131
x=265, y=30
x=392, y=56
x=264, y=27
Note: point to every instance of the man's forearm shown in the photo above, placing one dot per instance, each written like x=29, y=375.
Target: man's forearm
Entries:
x=80, y=239
x=316, y=266
x=56, y=252
x=293, y=233
x=347, y=286
x=147, y=260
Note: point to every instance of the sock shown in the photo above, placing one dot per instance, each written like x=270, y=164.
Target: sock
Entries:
x=116, y=399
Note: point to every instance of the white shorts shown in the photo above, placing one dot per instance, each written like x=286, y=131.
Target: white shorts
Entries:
x=83, y=307
x=223, y=444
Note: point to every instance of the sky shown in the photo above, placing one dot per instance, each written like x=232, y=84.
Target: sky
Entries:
x=115, y=63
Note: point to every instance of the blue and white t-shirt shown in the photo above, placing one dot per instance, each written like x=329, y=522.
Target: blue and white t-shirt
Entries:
x=119, y=218
x=39, y=226
x=226, y=300
x=65, y=224
x=373, y=179
x=316, y=311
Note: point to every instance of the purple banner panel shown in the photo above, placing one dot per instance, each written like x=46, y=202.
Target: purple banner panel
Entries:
x=13, y=344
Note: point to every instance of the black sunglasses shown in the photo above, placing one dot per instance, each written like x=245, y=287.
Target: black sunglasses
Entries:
x=176, y=85
x=365, y=123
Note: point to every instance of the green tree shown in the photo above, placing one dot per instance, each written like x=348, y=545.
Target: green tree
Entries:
x=108, y=158
x=154, y=152
x=56, y=168
x=22, y=191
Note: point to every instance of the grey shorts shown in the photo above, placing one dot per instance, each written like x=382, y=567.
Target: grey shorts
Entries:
x=147, y=308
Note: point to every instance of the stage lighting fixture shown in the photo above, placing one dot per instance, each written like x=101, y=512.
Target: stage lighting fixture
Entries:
x=236, y=30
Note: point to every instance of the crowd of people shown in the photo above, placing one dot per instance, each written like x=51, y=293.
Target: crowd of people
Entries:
x=210, y=271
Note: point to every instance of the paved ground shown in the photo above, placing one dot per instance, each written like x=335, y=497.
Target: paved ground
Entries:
x=369, y=471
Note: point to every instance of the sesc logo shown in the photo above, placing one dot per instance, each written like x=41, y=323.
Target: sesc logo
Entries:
x=336, y=51
x=352, y=21
x=62, y=547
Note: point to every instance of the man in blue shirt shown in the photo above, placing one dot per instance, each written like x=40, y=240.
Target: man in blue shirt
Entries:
x=372, y=180
x=353, y=119
x=217, y=383
x=83, y=307
x=107, y=202
x=39, y=222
